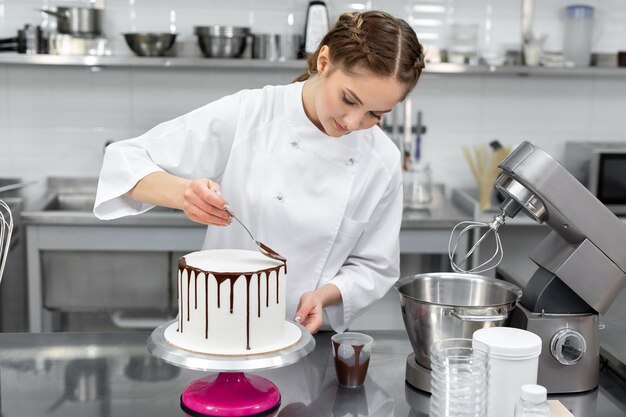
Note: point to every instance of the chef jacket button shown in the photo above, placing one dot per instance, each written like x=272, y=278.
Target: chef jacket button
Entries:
x=350, y=161
x=295, y=144
x=279, y=197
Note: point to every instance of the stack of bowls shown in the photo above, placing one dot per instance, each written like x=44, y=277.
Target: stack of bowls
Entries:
x=218, y=41
x=458, y=379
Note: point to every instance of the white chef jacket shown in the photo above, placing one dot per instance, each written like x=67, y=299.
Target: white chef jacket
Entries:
x=331, y=206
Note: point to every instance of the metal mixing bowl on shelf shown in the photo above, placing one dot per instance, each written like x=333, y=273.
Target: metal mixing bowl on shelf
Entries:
x=219, y=41
x=150, y=44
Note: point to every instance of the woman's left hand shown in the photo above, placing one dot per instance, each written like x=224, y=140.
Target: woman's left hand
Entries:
x=310, y=312
x=311, y=306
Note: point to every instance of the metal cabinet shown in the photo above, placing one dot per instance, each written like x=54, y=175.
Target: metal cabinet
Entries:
x=105, y=280
x=98, y=268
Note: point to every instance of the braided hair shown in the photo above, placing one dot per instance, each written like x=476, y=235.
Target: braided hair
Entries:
x=373, y=41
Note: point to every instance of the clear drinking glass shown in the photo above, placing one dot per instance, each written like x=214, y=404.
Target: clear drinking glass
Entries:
x=458, y=378
x=418, y=186
x=351, y=353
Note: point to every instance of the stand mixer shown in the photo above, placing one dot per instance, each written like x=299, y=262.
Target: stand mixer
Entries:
x=581, y=266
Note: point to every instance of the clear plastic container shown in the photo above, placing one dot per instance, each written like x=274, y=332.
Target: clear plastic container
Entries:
x=532, y=402
x=578, y=35
x=463, y=45
x=458, y=379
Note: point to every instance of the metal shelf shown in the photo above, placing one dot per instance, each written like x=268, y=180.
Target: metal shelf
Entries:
x=156, y=62
x=296, y=65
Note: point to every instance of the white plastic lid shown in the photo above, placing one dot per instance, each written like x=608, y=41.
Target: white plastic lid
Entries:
x=534, y=393
x=509, y=342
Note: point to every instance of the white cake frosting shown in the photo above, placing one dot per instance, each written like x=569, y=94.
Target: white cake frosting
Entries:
x=230, y=302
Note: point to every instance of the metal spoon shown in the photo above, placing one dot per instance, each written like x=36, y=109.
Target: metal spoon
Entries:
x=264, y=249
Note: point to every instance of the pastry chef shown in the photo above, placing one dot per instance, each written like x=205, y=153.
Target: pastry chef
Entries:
x=305, y=166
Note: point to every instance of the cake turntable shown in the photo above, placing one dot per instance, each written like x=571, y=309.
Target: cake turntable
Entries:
x=230, y=392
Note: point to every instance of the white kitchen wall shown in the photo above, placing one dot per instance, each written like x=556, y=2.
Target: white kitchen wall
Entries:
x=56, y=120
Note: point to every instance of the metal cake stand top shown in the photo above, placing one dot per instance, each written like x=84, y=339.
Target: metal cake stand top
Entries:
x=162, y=349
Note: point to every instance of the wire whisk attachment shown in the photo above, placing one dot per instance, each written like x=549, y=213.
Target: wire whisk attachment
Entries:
x=6, y=229
x=468, y=227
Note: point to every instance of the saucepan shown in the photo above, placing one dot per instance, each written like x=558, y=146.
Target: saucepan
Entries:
x=81, y=21
x=447, y=305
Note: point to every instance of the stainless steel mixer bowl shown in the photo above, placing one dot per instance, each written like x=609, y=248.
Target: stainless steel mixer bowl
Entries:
x=448, y=305
x=150, y=44
x=219, y=41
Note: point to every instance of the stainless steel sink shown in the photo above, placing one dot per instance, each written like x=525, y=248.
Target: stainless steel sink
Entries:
x=84, y=202
x=75, y=207
x=71, y=202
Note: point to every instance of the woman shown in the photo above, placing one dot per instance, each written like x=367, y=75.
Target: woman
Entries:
x=304, y=165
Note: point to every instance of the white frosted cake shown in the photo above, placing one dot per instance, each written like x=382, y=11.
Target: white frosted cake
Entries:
x=231, y=302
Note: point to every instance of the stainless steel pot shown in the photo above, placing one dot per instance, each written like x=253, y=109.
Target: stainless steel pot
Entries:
x=276, y=47
x=445, y=305
x=222, y=41
x=78, y=21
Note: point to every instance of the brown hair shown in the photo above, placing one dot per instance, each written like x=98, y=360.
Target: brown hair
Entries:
x=374, y=41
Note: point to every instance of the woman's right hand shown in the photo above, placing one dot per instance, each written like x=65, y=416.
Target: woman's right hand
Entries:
x=203, y=203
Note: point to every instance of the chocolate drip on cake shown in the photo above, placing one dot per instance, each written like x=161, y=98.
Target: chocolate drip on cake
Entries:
x=267, y=289
x=231, y=278
x=219, y=297
x=180, y=300
x=195, y=291
x=258, y=293
x=206, y=305
x=248, y=277
x=188, y=282
x=220, y=277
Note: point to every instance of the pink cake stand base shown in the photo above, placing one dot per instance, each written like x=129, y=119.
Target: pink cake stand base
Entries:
x=230, y=394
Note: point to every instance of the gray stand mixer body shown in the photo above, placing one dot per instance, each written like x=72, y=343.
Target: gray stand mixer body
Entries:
x=580, y=266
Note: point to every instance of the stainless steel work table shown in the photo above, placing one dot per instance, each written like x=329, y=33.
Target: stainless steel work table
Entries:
x=112, y=374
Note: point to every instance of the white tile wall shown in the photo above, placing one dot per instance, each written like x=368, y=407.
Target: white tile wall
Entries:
x=537, y=105
x=4, y=102
x=55, y=120
x=459, y=96
x=608, y=109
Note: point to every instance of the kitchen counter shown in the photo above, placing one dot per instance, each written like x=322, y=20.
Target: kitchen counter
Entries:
x=113, y=374
x=440, y=213
x=61, y=227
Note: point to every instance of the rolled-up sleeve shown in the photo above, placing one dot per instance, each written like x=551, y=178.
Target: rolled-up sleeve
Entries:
x=373, y=266
x=194, y=145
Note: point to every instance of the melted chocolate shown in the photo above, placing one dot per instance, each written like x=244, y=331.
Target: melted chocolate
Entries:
x=272, y=253
x=220, y=277
x=348, y=375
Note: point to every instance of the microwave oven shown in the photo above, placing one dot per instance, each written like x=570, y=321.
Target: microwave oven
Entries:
x=601, y=167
